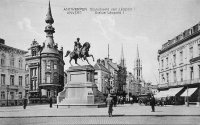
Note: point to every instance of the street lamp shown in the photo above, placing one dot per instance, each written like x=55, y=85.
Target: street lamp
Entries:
x=7, y=88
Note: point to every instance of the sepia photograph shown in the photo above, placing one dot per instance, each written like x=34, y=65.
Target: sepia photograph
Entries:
x=119, y=62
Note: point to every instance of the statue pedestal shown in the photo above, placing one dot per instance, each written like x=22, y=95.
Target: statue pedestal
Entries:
x=80, y=89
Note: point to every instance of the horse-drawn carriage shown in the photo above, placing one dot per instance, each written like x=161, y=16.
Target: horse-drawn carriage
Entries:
x=144, y=99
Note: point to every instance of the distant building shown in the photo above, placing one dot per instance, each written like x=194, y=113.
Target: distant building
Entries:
x=12, y=71
x=179, y=64
x=135, y=84
x=101, y=76
x=130, y=85
x=45, y=65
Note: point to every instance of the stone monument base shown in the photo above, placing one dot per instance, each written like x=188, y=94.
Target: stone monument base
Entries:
x=80, y=89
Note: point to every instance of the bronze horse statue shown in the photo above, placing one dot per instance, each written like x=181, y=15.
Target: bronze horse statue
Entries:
x=84, y=53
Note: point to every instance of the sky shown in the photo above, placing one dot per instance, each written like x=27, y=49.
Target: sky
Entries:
x=146, y=23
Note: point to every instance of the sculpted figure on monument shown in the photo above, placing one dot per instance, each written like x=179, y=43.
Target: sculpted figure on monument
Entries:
x=79, y=52
x=77, y=47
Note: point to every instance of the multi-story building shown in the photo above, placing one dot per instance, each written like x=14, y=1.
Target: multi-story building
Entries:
x=101, y=76
x=113, y=69
x=12, y=71
x=45, y=65
x=179, y=63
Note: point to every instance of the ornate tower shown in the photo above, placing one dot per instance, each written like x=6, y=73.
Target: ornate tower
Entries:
x=46, y=64
x=138, y=67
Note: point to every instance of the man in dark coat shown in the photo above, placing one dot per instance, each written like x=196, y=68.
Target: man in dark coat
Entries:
x=152, y=103
x=50, y=102
x=24, y=102
x=110, y=105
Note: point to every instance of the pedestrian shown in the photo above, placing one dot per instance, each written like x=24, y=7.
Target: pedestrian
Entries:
x=131, y=100
x=110, y=105
x=50, y=102
x=110, y=108
x=152, y=103
x=24, y=102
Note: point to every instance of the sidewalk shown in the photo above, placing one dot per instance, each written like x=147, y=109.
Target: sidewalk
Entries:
x=120, y=110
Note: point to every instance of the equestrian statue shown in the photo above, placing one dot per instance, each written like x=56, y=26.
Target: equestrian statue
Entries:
x=79, y=52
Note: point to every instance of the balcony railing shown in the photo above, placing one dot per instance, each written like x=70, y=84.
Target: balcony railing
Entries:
x=179, y=83
x=195, y=59
x=165, y=85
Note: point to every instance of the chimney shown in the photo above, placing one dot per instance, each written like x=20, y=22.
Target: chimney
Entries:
x=103, y=62
x=2, y=41
x=98, y=60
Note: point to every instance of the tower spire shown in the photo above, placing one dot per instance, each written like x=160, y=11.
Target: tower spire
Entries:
x=49, y=29
x=122, y=53
x=108, y=52
x=137, y=52
x=122, y=62
x=138, y=67
x=49, y=18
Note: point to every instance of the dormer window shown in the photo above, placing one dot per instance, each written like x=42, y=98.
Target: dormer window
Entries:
x=33, y=52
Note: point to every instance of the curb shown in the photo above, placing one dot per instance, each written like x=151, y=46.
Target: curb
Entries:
x=122, y=115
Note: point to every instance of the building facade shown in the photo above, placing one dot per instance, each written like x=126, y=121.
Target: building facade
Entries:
x=12, y=71
x=45, y=65
x=179, y=61
x=113, y=78
x=101, y=76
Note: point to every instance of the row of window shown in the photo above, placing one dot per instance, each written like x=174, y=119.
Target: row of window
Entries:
x=12, y=61
x=181, y=75
x=12, y=95
x=180, y=57
x=12, y=80
x=48, y=65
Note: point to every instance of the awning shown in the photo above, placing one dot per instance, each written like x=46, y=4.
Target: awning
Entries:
x=174, y=91
x=170, y=92
x=189, y=92
x=161, y=94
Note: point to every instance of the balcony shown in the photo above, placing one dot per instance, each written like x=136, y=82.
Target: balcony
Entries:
x=165, y=85
x=179, y=83
x=13, y=87
x=195, y=59
x=171, y=84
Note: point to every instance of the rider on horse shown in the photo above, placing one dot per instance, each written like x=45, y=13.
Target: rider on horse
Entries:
x=77, y=47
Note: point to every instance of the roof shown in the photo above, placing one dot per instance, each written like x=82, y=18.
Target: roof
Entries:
x=113, y=65
x=49, y=50
x=12, y=48
x=99, y=66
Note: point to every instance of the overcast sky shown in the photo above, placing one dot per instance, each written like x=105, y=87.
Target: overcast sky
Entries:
x=149, y=24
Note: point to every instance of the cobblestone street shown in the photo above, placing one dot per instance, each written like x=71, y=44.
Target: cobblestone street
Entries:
x=123, y=114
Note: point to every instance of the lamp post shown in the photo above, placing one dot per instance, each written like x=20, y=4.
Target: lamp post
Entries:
x=187, y=97
x=7, y=88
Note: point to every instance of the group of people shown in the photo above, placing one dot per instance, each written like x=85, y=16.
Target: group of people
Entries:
x=25, y=102
x=110, y=103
